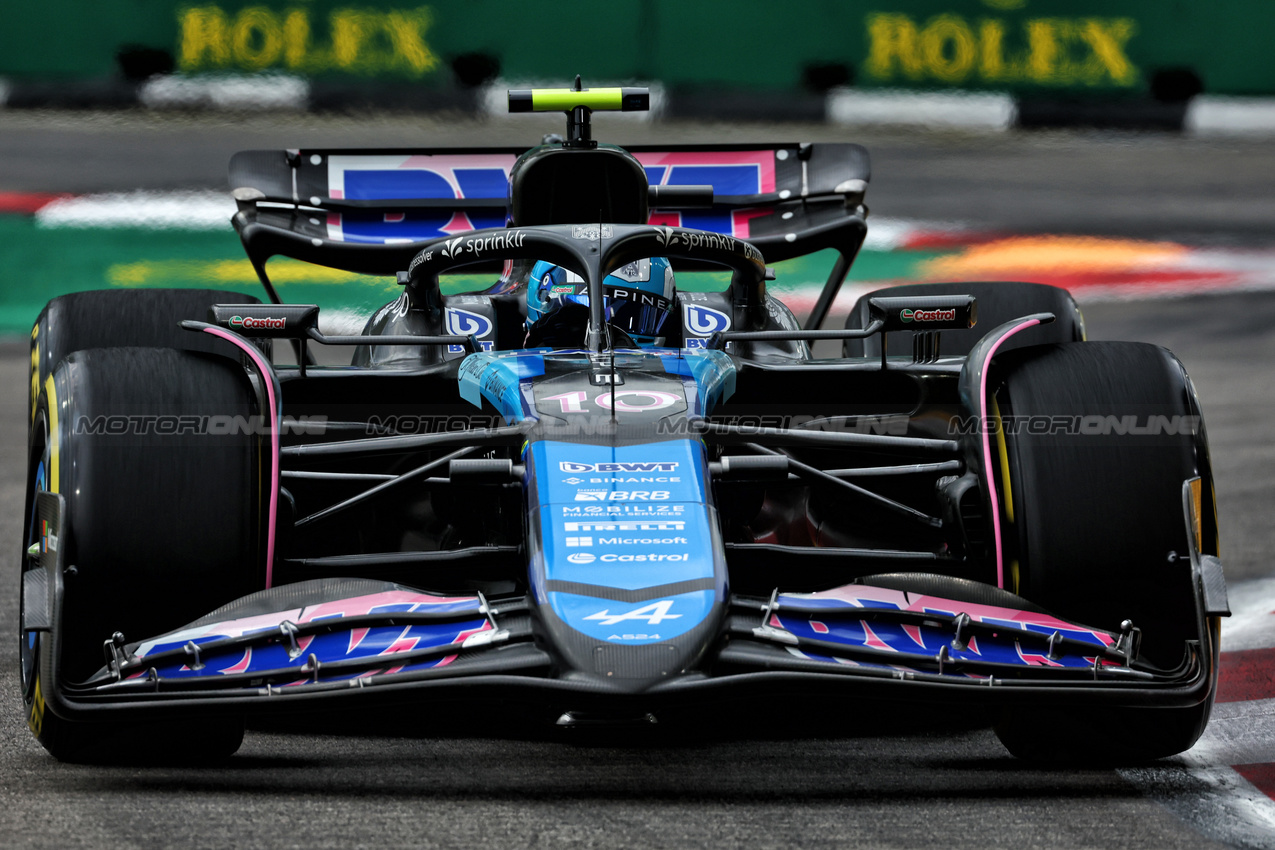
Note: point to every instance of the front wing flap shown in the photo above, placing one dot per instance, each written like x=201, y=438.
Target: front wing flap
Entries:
x=396, y=641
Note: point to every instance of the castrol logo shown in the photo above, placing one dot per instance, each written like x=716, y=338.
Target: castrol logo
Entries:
x=252, y=323
x=928, y=315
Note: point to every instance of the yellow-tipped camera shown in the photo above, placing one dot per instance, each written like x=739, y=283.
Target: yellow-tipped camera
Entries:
x=565, y=100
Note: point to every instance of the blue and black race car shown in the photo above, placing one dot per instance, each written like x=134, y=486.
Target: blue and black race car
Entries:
x=589, y=489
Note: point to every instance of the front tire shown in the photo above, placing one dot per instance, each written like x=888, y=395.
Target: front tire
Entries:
x=1094, y=529
x=163, y=523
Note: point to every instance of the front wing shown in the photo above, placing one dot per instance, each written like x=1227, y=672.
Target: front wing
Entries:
x=335, y=640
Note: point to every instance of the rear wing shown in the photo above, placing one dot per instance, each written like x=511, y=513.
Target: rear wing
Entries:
x=370, y=211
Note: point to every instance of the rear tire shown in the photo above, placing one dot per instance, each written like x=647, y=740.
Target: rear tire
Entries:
x=1094, y=531
x=998, y=302
x=163, y=523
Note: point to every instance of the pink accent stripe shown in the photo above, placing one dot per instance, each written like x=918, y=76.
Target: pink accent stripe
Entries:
x=856, y=595
x=266, y=373
x=987, y=451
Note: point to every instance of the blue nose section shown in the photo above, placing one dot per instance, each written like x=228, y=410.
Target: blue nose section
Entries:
x=628, y=541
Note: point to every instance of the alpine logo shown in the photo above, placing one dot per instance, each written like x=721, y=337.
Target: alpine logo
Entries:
x=907, y=315
x=263, y=323
x=634, y=466
x=652, y=615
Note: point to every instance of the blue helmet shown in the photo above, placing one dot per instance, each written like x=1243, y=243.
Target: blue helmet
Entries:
x=639, y=296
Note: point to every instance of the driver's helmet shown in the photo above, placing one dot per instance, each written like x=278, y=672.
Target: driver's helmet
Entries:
x=639, y=296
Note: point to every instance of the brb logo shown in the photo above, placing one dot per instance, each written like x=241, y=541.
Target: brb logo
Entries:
x=700, y=321
x=465, y=323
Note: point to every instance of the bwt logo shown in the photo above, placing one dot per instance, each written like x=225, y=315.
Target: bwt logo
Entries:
x=634, y=466
x=702, y=321
x=465, y=323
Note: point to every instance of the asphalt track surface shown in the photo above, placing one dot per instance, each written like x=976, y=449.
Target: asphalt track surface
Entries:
x=856, y=780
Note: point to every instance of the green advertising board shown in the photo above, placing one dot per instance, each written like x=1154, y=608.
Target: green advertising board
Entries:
x=1025, y=46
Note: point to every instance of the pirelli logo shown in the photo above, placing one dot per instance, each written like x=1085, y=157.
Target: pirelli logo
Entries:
x=672, y=525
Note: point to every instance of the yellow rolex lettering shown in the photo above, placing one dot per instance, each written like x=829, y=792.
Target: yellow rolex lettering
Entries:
x=948, y=48
x=361, y=41
x=350, y=30
x=1107, y=40
x=205, y=38
x=1044, y=51
x=1043, y=48
x=256, y=38
x=991, y=50
x=892, y=39
x=296, y=40
x=407, y=34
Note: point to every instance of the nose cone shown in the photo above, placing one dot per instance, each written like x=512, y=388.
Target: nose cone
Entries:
x=629, y=578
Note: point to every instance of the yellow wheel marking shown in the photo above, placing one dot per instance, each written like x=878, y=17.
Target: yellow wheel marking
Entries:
x=1197, y=521
x=35, y=719
x=51, y=482
x=1000, y=445
x=35, y=370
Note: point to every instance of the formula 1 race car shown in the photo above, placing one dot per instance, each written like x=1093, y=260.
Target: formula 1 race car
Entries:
x=588, y=489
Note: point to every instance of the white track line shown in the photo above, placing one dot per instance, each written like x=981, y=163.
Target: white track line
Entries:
x=965, y=110
x=189, y=210
x=263, y=92
x=1210, y=115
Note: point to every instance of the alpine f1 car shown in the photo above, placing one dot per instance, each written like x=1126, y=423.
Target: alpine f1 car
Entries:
x=590, y=490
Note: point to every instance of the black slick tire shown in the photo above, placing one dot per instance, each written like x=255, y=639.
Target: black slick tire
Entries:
x=1094, y=529
x=163, y=523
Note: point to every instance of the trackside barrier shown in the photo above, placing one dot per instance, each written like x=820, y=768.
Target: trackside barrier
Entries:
x=1025, y=47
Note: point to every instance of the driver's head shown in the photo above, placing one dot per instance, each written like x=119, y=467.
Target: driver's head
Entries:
x=639, y=296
